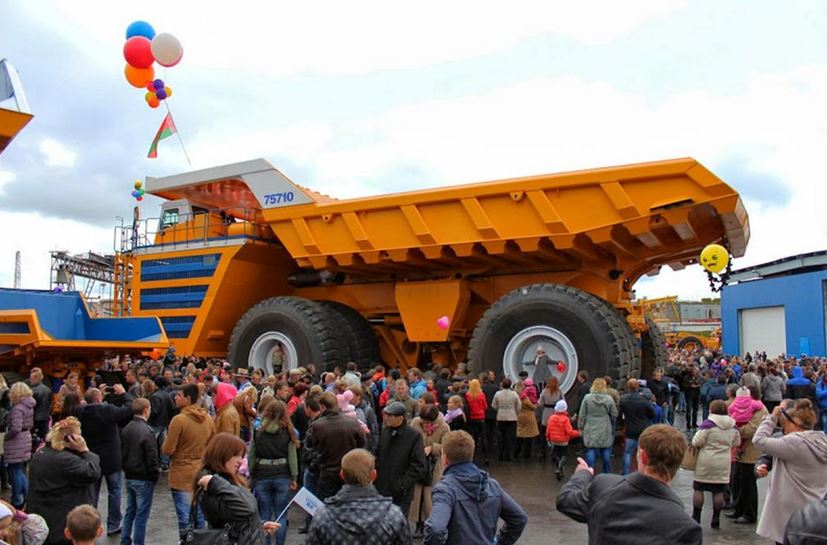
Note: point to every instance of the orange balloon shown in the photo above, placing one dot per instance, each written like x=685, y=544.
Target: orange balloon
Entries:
x=153, y=102
x=138, y=77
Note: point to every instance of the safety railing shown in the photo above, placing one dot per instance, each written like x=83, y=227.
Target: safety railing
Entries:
x=200, y=228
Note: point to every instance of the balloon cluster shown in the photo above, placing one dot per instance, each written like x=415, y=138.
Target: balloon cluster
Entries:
x=715, y=260
x=142, y=49
x=138, y=193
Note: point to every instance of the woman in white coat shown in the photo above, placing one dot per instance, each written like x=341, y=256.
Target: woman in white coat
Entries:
x=715, y=439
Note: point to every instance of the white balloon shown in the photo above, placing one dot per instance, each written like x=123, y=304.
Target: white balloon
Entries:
x=166, y=49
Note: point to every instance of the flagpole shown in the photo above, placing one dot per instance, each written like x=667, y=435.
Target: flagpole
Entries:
x=178, y=133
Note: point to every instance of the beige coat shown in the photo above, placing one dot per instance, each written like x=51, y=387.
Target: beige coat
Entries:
x=715, y=456
x=186, y=442
x=798, y=476
x=749, y=453
x=228, y=420
x=527, y=420
x=507, y=405
x=421, y=505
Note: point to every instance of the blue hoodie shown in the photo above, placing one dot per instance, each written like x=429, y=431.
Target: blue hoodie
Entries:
x=467, y=504
x=821, y=395
x=799, y=386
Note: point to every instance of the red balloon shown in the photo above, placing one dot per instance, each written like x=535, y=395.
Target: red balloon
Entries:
x=139, y=198
x=137, y=52
x=561, y=366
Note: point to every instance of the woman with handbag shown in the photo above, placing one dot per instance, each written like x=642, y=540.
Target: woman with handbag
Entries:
x=431, y=425
x=273, y=463
x=221, y=492
x=714, y=440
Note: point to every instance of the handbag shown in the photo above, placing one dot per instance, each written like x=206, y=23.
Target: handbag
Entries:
x=206, y=536
x=690, y=459
x=427, y=476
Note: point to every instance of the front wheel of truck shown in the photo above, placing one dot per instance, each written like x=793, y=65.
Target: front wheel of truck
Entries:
x=286, y=333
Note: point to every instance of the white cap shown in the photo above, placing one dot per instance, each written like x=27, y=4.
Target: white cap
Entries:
x=561, y=406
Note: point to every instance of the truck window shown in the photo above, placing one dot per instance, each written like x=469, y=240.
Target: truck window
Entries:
x=169, y=218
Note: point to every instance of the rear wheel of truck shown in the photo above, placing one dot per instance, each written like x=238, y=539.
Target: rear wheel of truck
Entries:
x=287, y=332
x=363, y=348
x=652, y=349
x=577, y=331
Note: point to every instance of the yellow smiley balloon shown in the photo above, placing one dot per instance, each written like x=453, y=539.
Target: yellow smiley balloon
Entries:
x=714, y=258
x=138, y=184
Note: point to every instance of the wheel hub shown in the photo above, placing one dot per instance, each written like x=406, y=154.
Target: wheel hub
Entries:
x=272, y=346
x=520, y=355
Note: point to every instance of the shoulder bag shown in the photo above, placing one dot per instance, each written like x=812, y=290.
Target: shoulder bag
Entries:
x=206, y=536
x=690, y=458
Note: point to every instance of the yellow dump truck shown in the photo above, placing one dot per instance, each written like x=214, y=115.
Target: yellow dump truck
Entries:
x=245, y=264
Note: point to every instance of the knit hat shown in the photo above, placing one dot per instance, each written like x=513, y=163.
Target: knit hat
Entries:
x=561, y=406
x=743, y=391
x=343, y=400
x=224, y=394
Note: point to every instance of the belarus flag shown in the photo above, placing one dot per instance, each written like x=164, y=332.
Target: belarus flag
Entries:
x=166, y=130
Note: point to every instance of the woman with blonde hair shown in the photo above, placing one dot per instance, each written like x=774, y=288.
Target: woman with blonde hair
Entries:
x=594, y=419
x=62, y=474
x=17, y=444
x=244, y=404
x=477, y=405
x=431, y=425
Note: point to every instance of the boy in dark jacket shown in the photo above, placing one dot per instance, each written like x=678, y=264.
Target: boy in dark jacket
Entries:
x=139, y=455
x=467, y=503
x=357, y=513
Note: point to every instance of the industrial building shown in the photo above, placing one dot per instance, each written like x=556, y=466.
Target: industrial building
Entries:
x=778, y=307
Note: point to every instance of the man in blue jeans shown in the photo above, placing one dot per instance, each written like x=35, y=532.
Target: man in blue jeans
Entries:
x=139, y=453
x=99, y=427
x=186, y=442
x=637, y=413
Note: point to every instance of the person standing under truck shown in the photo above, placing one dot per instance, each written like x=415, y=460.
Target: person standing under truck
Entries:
x=43, y=408
x=507, y=404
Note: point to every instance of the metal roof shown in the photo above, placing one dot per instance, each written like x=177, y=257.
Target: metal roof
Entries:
x=795, y=264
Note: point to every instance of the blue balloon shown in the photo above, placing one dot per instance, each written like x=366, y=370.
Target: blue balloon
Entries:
x=140, y=28
x=134, y=193
x=158, y=84
x=161, y=94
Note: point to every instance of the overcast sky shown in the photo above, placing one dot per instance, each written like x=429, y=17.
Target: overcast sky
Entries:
x=362, y=98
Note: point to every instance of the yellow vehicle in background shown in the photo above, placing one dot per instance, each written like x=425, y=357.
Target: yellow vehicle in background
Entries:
x=245, y=264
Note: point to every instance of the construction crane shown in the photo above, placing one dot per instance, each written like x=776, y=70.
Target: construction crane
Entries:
x=17, y=270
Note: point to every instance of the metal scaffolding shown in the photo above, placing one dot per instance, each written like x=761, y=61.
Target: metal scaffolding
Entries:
x=96, y=270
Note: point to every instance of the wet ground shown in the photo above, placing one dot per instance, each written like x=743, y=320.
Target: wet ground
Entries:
x=531, y=483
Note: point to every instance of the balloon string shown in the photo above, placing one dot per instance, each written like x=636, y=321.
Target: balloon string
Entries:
x=178, y=133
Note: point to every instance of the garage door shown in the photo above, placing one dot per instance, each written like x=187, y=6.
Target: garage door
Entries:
x=763, y=329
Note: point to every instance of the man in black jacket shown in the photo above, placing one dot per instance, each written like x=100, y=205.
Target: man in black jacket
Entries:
x=357, y=514
x=329, y=438
x=401, y=458
x=139, y=456
x=637, y=413
x=808, y=525
x=43, y=408
x=99, y=426
x=163, y=409
x=638, y=509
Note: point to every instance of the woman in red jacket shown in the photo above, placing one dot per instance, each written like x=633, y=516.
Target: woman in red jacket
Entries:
x=477, y=405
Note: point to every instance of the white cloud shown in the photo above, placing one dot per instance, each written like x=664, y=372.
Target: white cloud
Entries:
x=35, y=236
x=57, y=154
x=331, y=37
x=5, y=178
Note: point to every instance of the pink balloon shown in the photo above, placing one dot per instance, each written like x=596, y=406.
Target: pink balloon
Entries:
x=443, y=322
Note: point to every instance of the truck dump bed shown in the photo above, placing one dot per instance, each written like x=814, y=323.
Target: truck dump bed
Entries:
x=36, y=325
x=628, y=219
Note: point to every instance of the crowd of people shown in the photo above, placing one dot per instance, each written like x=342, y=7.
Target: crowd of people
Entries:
x=397, y=457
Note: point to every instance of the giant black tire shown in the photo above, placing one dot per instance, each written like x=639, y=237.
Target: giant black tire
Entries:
x=310, y=327
x=363, y=348
x=586, y=322
x=627, y=342
x=652, y=349
x=689, y=340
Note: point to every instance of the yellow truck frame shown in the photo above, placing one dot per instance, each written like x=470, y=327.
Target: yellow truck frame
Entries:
x=246, y=264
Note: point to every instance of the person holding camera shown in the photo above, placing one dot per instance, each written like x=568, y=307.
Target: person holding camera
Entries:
x=61, y=477
x=799, y=458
